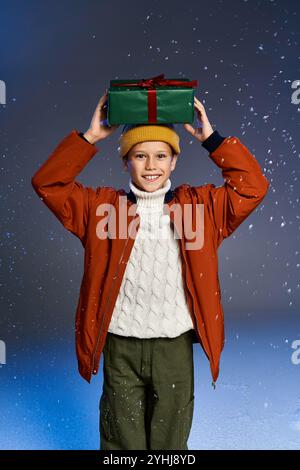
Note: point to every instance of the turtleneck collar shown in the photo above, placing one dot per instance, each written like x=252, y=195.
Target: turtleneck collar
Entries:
x=153, y=199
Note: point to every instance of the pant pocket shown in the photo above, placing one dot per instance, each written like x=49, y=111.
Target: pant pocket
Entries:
x=107, y=425
x=185, y=423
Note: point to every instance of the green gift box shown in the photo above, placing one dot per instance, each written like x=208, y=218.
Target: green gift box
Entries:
x=151, y=101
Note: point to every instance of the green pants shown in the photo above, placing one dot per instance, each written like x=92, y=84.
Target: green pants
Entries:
x=147, y=400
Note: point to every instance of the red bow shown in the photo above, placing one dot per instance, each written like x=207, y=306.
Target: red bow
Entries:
x=159, y=80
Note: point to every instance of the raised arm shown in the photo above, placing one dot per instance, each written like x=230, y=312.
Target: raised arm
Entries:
x=245, y=185
x=55, y=181
x=244, y=188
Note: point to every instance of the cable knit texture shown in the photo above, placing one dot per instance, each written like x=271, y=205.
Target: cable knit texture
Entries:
x=151, y=302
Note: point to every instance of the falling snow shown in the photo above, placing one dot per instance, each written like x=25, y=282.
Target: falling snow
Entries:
x=245, y=70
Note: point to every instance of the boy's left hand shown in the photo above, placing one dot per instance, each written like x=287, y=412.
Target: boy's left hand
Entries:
x=204, y=130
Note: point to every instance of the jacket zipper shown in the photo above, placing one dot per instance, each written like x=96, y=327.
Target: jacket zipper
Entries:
x=106, y=306
x=198, y=330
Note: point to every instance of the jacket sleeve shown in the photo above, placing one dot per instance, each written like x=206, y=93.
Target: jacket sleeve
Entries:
x=244, y=188
x=55, y=182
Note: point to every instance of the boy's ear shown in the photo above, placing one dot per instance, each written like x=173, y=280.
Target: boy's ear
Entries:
x=124, y=163
x=174, y=161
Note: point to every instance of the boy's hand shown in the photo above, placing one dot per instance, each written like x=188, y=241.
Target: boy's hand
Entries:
x=204, y=130
x=99, y=129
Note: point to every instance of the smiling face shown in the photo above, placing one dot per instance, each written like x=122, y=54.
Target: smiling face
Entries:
x=150, y=164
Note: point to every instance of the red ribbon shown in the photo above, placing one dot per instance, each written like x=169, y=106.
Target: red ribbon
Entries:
x=157, y=81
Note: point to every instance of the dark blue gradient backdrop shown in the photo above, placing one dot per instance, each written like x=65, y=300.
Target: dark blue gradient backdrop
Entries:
x=57, y=58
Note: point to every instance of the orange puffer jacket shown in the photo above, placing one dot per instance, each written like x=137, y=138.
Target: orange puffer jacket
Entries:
x=88, y=212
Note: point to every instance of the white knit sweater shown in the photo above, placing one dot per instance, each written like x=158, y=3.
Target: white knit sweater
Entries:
x=151, y=302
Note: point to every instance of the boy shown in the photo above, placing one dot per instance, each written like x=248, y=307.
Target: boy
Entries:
x=146, y=297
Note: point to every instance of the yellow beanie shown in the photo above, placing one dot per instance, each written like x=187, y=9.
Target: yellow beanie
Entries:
x=135, y=133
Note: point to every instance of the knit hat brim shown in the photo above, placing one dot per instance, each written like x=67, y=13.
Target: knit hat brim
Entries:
x=134, y=134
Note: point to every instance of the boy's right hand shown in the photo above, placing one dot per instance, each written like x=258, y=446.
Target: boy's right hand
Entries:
x=98, y=130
